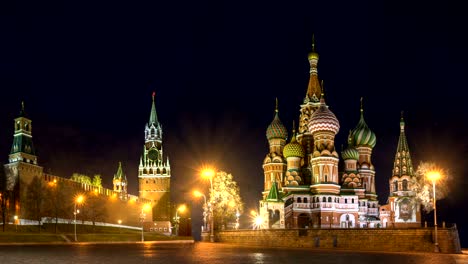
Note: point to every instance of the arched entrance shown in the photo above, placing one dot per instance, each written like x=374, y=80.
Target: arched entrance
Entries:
x=303, y=221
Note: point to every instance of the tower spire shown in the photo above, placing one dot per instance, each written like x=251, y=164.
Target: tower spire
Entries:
x=153, y=116
x=402, y=165
x=313, y=89
x=276, y=106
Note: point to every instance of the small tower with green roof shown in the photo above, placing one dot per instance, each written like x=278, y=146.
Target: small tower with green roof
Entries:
x=120, y=183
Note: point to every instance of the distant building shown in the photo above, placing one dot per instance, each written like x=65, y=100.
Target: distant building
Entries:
x=303, y=187
x=154, y=172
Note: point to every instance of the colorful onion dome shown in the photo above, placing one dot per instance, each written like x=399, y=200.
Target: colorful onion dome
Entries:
x=276, y=129
x=350, y=153
x=362, y=135
x=293, y=148
x=323, y=120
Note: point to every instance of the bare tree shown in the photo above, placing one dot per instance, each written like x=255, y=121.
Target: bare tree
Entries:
x=95, y=208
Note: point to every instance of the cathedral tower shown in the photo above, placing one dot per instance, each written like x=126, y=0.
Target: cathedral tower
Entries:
x=404, y=206
x=154, y=174
x=120, y=183
x=294, y=153
x=274, y=164
x=310, y=104
x=324, y=126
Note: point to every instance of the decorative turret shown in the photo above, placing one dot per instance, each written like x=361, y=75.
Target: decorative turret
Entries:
x=276, y=129
x=350, y=153
x=293, y=148
x=402, y=200
x=403, y=165
x=120, y=182
x=323, y=120
x=293, y=152
x=276, y=134
x=362, y=135
x=313, y=89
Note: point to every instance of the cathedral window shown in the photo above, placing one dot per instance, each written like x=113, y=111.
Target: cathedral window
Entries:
x=305, y=199
x=395, y=186
x=324, y=199
x=405, y=185
x=329, y=199
x=352, y=200
x=299, y=200
x=345, y=200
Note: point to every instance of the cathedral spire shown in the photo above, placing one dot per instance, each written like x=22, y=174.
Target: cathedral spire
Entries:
x=120, y=175
x=313, y=90
x=402, y=165
x=153, y=116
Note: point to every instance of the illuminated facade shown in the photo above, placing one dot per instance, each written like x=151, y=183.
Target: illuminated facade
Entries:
x=120, y=183
x=303, y=186
x=154, y=173
x=403, y=209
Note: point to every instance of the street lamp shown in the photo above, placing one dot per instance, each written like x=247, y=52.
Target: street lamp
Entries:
x=209, y=174
x=205, y=207
x=120, y=226
x=144, y=208
x=78, y=200
x=16, y=223
x=434, y=176
x=180, y=209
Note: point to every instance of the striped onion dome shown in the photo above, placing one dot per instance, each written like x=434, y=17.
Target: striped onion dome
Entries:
x=276, y=129
x=323, y=120
x=293, y=148
x=362, y=135
x=350, y=153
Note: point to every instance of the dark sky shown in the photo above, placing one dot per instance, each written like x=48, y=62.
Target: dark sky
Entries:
x=86, y=71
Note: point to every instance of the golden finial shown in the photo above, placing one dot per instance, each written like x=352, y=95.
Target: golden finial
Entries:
x=402, y=114
x=322, y=94
x=22, y=105
x=276, y=108
x=294, y=127
x=154, y=94
x=362, y=109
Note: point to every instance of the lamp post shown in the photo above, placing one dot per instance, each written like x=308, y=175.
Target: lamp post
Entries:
x=210, y=173
x=205, y=207
x=16, y=223
x=434, y=176
x=181, y=209
x=78, y=200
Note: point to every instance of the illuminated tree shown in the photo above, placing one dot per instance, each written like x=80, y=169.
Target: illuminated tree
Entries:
x=59, y=201
x=423, y=186
x=225, y=198
x=95, y=209
x=82, y=178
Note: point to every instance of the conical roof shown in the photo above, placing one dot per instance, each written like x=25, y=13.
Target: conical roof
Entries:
x=120, y=175
x=403, y=164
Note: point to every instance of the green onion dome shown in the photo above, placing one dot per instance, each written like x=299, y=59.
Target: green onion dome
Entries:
x=362, y=135
x=350, y=153
x=293, y=148
x=323, y=120
x=276, y=129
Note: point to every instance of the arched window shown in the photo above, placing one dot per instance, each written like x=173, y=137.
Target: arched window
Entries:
x=299, y=200
x=352, y=200
x=395, y=185
x=345, y=200
x=347, y=217
x=329, y=199
x=405, y=185
x=305, y=199
x=324, y=199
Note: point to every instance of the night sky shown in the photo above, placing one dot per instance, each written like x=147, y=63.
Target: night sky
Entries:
x=86, y=71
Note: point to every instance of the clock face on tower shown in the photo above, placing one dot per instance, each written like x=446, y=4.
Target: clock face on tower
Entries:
x=153, y=154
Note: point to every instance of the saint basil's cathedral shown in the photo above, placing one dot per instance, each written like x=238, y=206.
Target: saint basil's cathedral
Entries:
x=303, y=185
